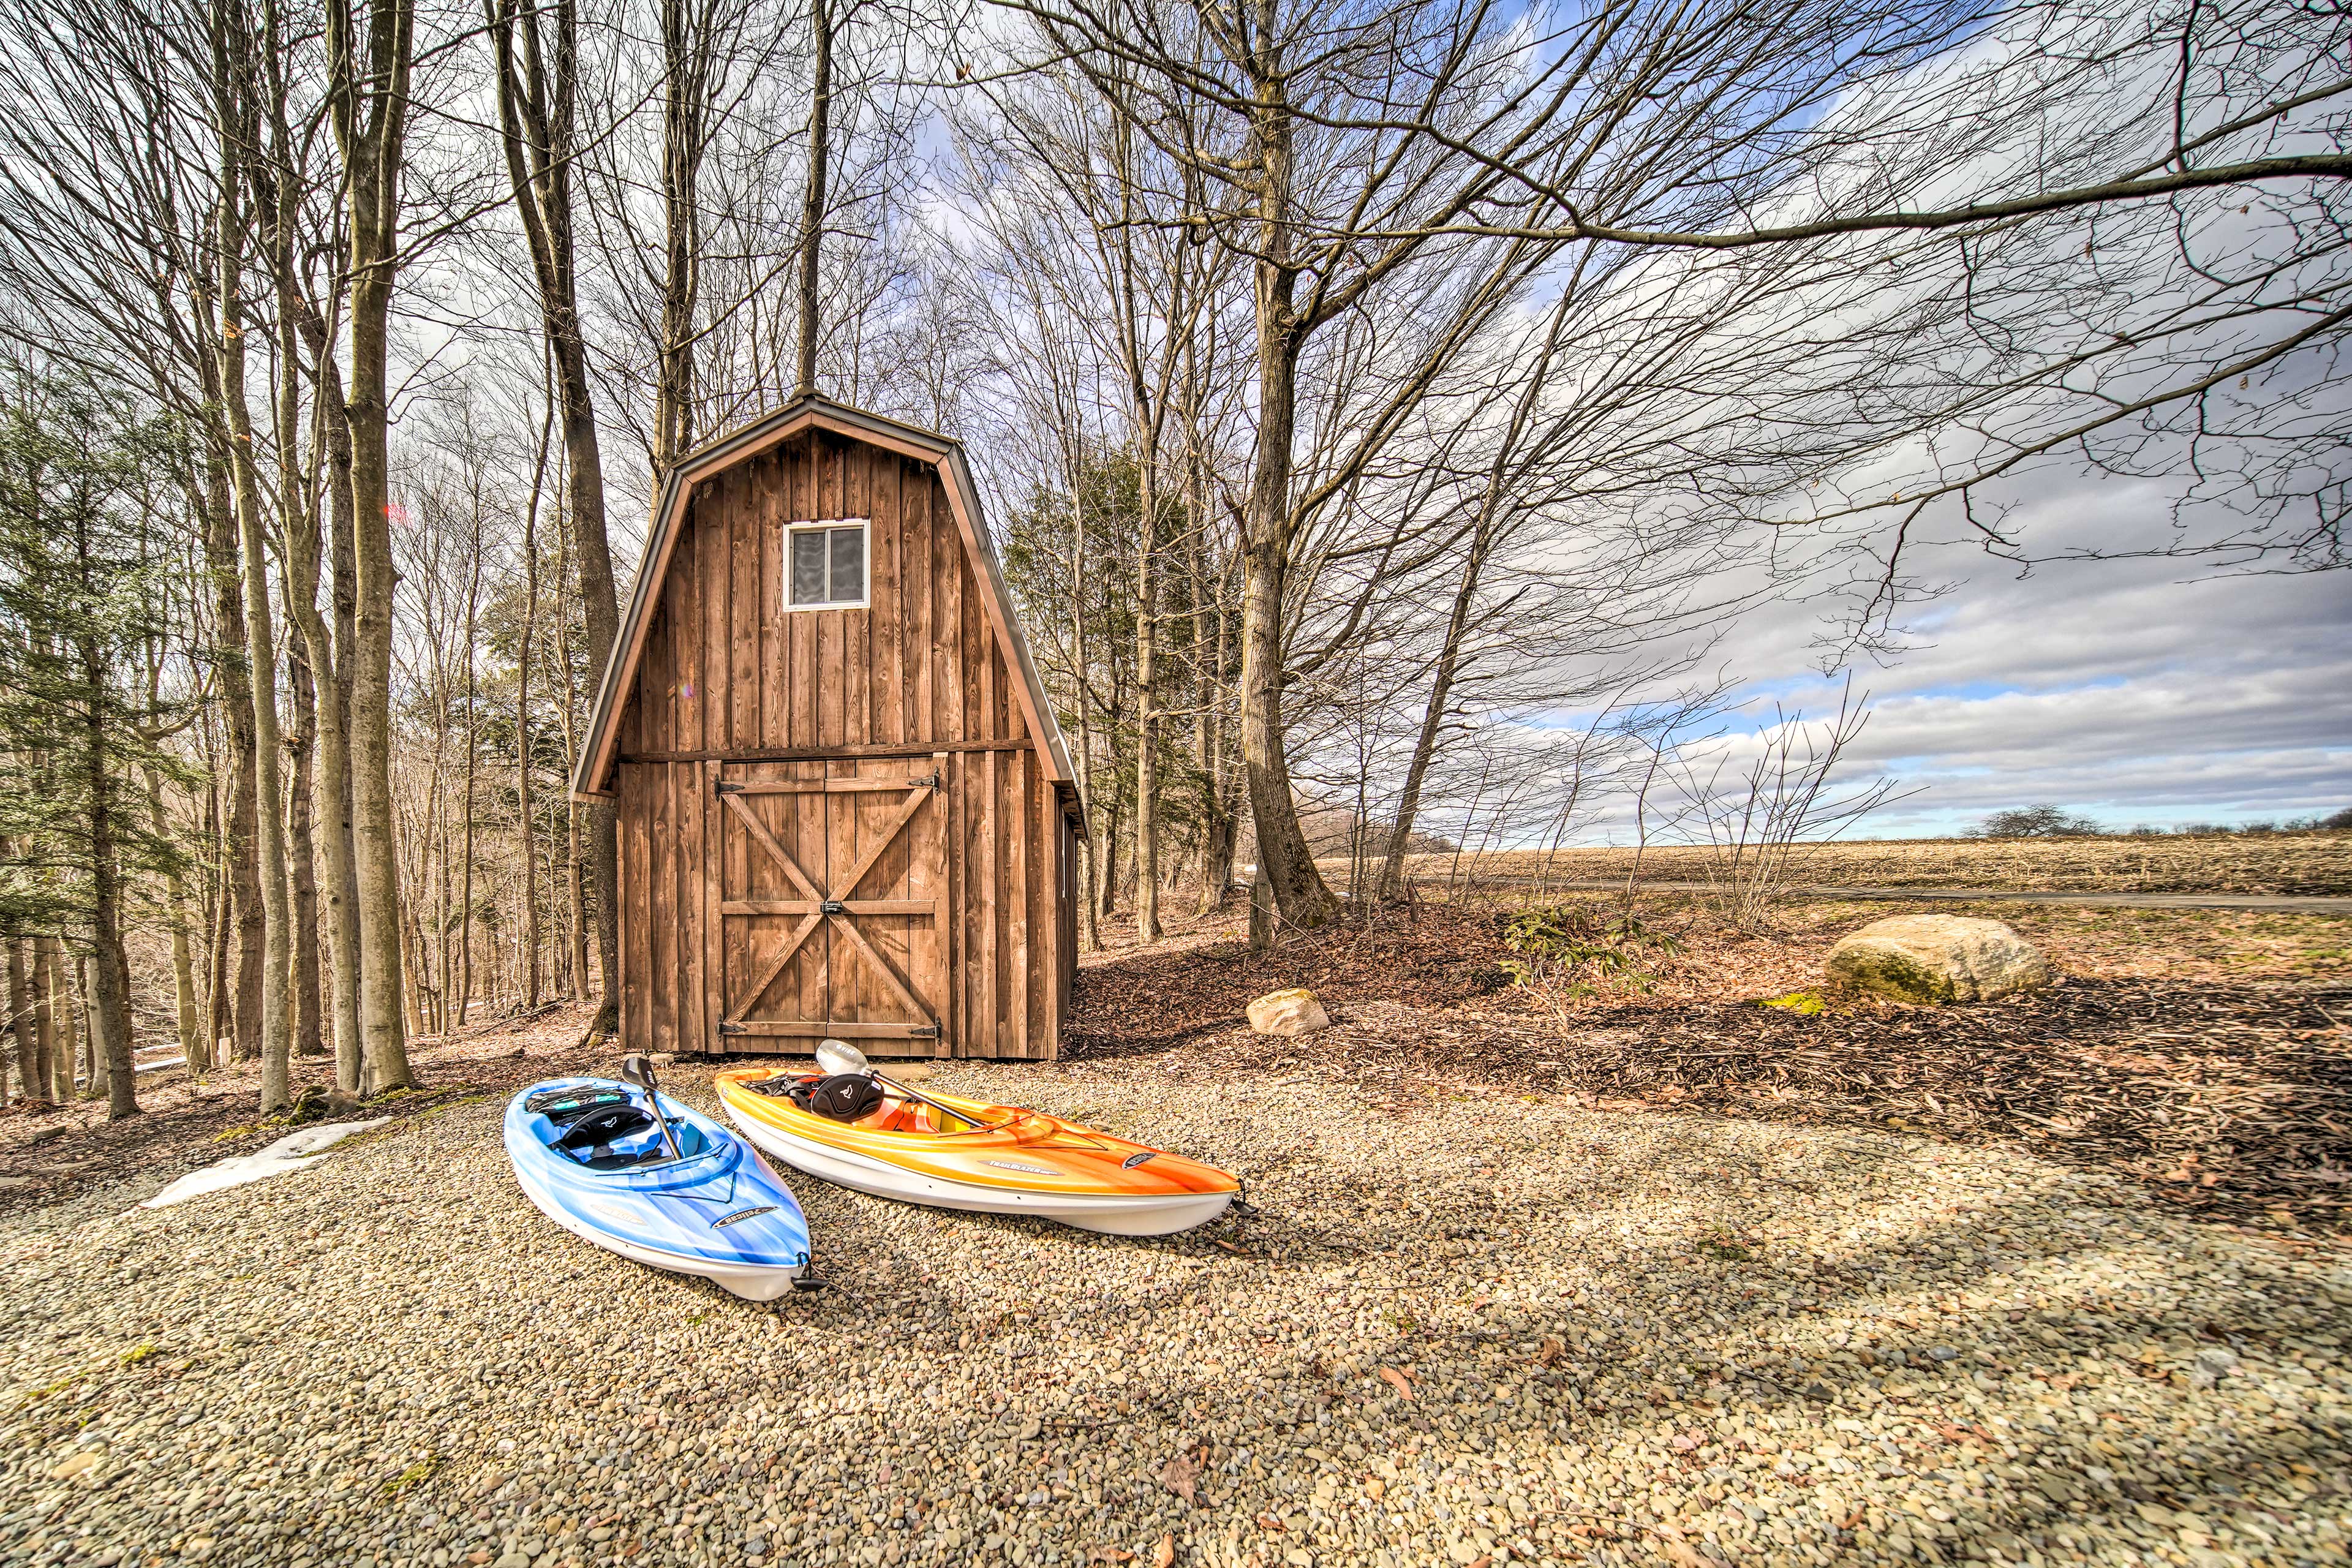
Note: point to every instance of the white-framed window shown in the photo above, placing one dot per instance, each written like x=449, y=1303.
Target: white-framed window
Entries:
x=824, y=564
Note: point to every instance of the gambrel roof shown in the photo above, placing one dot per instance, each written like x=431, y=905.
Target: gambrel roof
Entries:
x=593, y=776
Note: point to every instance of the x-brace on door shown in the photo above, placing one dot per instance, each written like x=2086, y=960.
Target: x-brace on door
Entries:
x=832, y=899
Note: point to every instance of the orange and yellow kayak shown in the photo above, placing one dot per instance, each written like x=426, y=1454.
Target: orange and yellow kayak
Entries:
x=1004, y=1160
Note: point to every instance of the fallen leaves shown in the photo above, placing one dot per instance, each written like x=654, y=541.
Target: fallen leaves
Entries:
x=1550, y=1351
x=1182, y=1475
x=1165, y=1553
x=1680, y=1554
x=1110, y=1555
x=1397, y=1380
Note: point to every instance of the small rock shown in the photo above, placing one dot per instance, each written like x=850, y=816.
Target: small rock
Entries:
x=2213, y=1363
x=1937, y=959
x=1293, y=1011
x=80, y=1465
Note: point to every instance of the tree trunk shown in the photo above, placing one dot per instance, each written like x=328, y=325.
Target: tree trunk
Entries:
x=527, y=976
x=383, y=1038
x=302, y=855
x=43, y=997
x=1147, y=720
x=261, y=644
x=812, y=191
x=328, y=651
x=370, y=104
x=184, y=968
x=109, y=990
x=536, y=121
x=684, y=99
x=27, y=1053
x=1433, y=720
x=94, y=1059
x=216, y=1018
x=1108, y=869
x=232, y=642
x=1285, y=862
x=466, y=805
x=319, y=814
x=65, y=1054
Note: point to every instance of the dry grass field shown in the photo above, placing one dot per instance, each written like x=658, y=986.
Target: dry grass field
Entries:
x=2274, y=863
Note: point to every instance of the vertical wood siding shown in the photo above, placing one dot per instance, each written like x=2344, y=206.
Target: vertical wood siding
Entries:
x=728, y=674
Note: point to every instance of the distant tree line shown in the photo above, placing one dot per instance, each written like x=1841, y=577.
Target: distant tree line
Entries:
x=2056, y=822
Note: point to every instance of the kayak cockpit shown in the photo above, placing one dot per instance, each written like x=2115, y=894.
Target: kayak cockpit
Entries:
x=606, y=1128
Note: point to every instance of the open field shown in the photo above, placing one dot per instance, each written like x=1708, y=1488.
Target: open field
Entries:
x=2277, y=862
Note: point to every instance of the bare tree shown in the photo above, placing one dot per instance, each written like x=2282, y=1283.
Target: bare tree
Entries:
x=537, y=117
x=370, y=105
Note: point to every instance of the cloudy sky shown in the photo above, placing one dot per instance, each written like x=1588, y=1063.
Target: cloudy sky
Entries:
x=2133, y=692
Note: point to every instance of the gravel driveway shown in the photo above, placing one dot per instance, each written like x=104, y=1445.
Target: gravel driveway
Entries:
x=1469, y=1328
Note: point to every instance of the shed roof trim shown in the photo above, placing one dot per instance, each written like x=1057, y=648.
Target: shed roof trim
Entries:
x=594, y=773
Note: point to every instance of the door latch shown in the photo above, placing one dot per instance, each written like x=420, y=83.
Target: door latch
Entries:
x=832, y=907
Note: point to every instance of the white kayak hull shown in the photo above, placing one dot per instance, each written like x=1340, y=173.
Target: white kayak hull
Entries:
x=750, y=1281
x=1112, y=1213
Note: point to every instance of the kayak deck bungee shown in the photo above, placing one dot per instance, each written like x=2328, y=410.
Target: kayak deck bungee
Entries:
x=968, y=1155
x=589, y=1154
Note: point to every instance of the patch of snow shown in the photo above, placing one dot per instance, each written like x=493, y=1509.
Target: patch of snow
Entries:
x=295, y=1152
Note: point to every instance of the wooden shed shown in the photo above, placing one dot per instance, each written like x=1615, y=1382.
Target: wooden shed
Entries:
x=846, y=808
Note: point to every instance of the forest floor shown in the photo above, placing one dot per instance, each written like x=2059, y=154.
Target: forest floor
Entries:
x=1526, y=1286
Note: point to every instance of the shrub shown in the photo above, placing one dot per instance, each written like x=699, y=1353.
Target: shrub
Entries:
x=1570, y=950
x=2035, y=822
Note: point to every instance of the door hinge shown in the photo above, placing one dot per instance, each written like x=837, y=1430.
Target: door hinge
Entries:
x=730, y=1026
x=924, y=1031
x=932, y=781
x=726, y=786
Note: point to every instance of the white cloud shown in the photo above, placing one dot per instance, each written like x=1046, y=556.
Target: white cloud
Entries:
x=2130, y=690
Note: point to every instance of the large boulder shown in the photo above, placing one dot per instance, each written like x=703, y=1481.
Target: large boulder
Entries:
x=1292, y=1012
x=1938, y=958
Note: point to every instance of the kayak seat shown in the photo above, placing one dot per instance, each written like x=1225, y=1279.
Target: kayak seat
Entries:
x=892, y=1116
x=604, y=1125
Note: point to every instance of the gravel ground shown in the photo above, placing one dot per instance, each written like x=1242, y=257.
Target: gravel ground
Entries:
x=1467, y=1328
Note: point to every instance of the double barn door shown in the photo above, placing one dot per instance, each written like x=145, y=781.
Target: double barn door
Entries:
x=832, y=899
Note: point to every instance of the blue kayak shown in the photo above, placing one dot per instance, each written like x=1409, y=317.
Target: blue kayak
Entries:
x=596, y=1162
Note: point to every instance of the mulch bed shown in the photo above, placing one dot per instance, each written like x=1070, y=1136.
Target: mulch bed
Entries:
x=2228, y=1100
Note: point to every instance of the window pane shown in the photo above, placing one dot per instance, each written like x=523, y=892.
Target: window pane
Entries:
x=808, y=568
x=848, y=566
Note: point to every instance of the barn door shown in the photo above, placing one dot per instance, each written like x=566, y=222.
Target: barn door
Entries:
x=833, y=887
